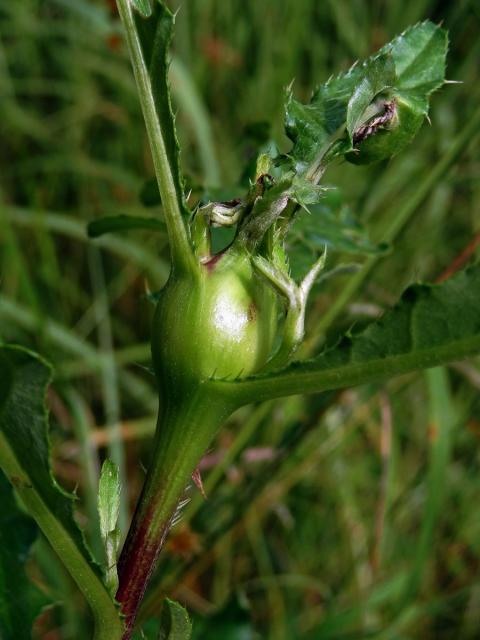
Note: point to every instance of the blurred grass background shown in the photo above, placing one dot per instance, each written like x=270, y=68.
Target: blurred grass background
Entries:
x=342, y=516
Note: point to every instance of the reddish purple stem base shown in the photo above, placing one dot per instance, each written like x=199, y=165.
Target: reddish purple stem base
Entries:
x=136, y=565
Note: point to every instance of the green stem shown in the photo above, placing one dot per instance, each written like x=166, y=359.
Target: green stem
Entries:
x=401, y=218
x=215, y=475
x=181, y=250
x=108, y=625
x=184, y=431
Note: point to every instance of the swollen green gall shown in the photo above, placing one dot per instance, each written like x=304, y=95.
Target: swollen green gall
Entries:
x=219, y=321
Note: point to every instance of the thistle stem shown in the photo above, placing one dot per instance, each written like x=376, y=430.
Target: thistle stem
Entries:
x=184, y=431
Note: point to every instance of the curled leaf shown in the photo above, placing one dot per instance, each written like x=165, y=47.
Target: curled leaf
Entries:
x=405, y=71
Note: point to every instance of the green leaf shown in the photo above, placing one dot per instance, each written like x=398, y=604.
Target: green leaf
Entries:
x=144, y=6
x=420, y=55
x=305, y=193
x=25, y=459
x=155, y=34
x=379, y=75
x=175, y=623
x=108, y=498
x=20, y=600
x=122, y=222
x=431, y=325
x=330, y=223
x=148, y=40
x=408, y=69
x=108, y=511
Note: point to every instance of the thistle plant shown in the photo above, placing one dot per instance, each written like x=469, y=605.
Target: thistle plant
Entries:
x=228, y=324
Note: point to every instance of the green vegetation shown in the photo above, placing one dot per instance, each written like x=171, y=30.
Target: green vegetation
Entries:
x=345, y=514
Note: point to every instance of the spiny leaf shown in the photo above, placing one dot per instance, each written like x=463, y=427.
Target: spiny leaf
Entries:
x=305, y=193
x=25, y=459
x=20, y=600
x=175, y=623
x=418, y=57
x=329, y=223
x=431, y=325
x=122, y=222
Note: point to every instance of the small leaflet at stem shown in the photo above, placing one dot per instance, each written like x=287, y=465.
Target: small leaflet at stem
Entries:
x=175, y=623
x=108, y=511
